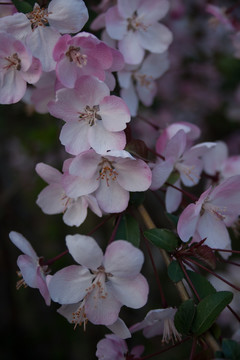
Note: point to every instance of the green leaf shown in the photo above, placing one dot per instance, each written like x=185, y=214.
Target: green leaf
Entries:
x=201, y=284
x=231, y=349
x=172, y=218
x=22, y=6
x=173, y=177
x=184, y=316
x=175, y=272
x=128, y=230
x=137, y=198
x=209, y=309
x=162, y=238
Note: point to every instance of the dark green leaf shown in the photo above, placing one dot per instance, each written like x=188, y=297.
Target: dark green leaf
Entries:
x=162, y=238
x=173, y=218
x=201, y=284
x=173, y=177
x=128, y=230
x=231, y=349
x=184, y=316
x=175, y=272
x=22, y=6
x=209, y=309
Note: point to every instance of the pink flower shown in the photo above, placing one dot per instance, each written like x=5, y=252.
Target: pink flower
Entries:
x=138, y=82
x=114, y=348
x=159, y=322
x=17, y=68
x=135, y=24
x=33, y=274
x=111, y=175
x=41, y=28
x=216, y=208
x=53, y=199
x=93, y=117
x=102, y=284
x=81, y=55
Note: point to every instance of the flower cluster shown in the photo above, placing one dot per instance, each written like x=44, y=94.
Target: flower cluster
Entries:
x=94, y=87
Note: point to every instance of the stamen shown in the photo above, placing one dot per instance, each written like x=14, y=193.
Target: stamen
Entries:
x=13, y=61
x=79, y=317
x=170, y=332
x=38, y=17
x=135, y=23
x=144, y=79
x=20, y=282
x=107, y=171
x=90, y=114
x=75, y=56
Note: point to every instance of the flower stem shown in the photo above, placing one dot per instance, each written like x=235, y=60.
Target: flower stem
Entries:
x=210, y=340
x=164, y=302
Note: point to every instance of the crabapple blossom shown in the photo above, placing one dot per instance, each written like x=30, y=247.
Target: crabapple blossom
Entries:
x=6, y=10
x=159, y=322
x=216, y=208
x=94, y=118
x=138, y=82
x=184, y=162
x=114, y=348
x=111, y=176
x=102, y=283
x=53, y=199
x=81, y=55
x=217, y=162
x=32, y=272
x=135, y=25
x=17, y=68
x=41, y=28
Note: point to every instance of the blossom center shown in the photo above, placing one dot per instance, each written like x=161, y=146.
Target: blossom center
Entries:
x=38, y=17
x=217, y=211
x=135, y=23
x=107, y=171
x=75, y=56
x=144, y=80
x=13, y=62
x=90, y=114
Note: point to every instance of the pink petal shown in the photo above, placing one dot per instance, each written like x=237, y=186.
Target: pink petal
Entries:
x=101, y=140
x=120, y=329
x=28, y=267
x=52, y=199
x=130, y=292
x=68, y=286
x=42, y=286
x=116, y=25
x=112, y=198
x=156, y=38
x=85, y=164
x=85, y=250
x=75, y=136
x=134, y=175
x=159, y=9
x=76, y=186
x=76, y=213
x=122, y=259
x=22, y=244
x=160, y=173
x=102, y=310
x=126, y=8
x=48, y=173
x=67, y=17
x=114, y=113
x=187, y=222
x=173, y=198
x=131, y=48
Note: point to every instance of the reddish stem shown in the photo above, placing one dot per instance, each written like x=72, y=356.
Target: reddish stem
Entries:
x=115, y=229
x=189, y=280
x=148, y=122
x=191, y=196
x=233, y=312
x=156, y=153
x=194, y=344
x=211, y=272
x=166, y=349
x=164, y=302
